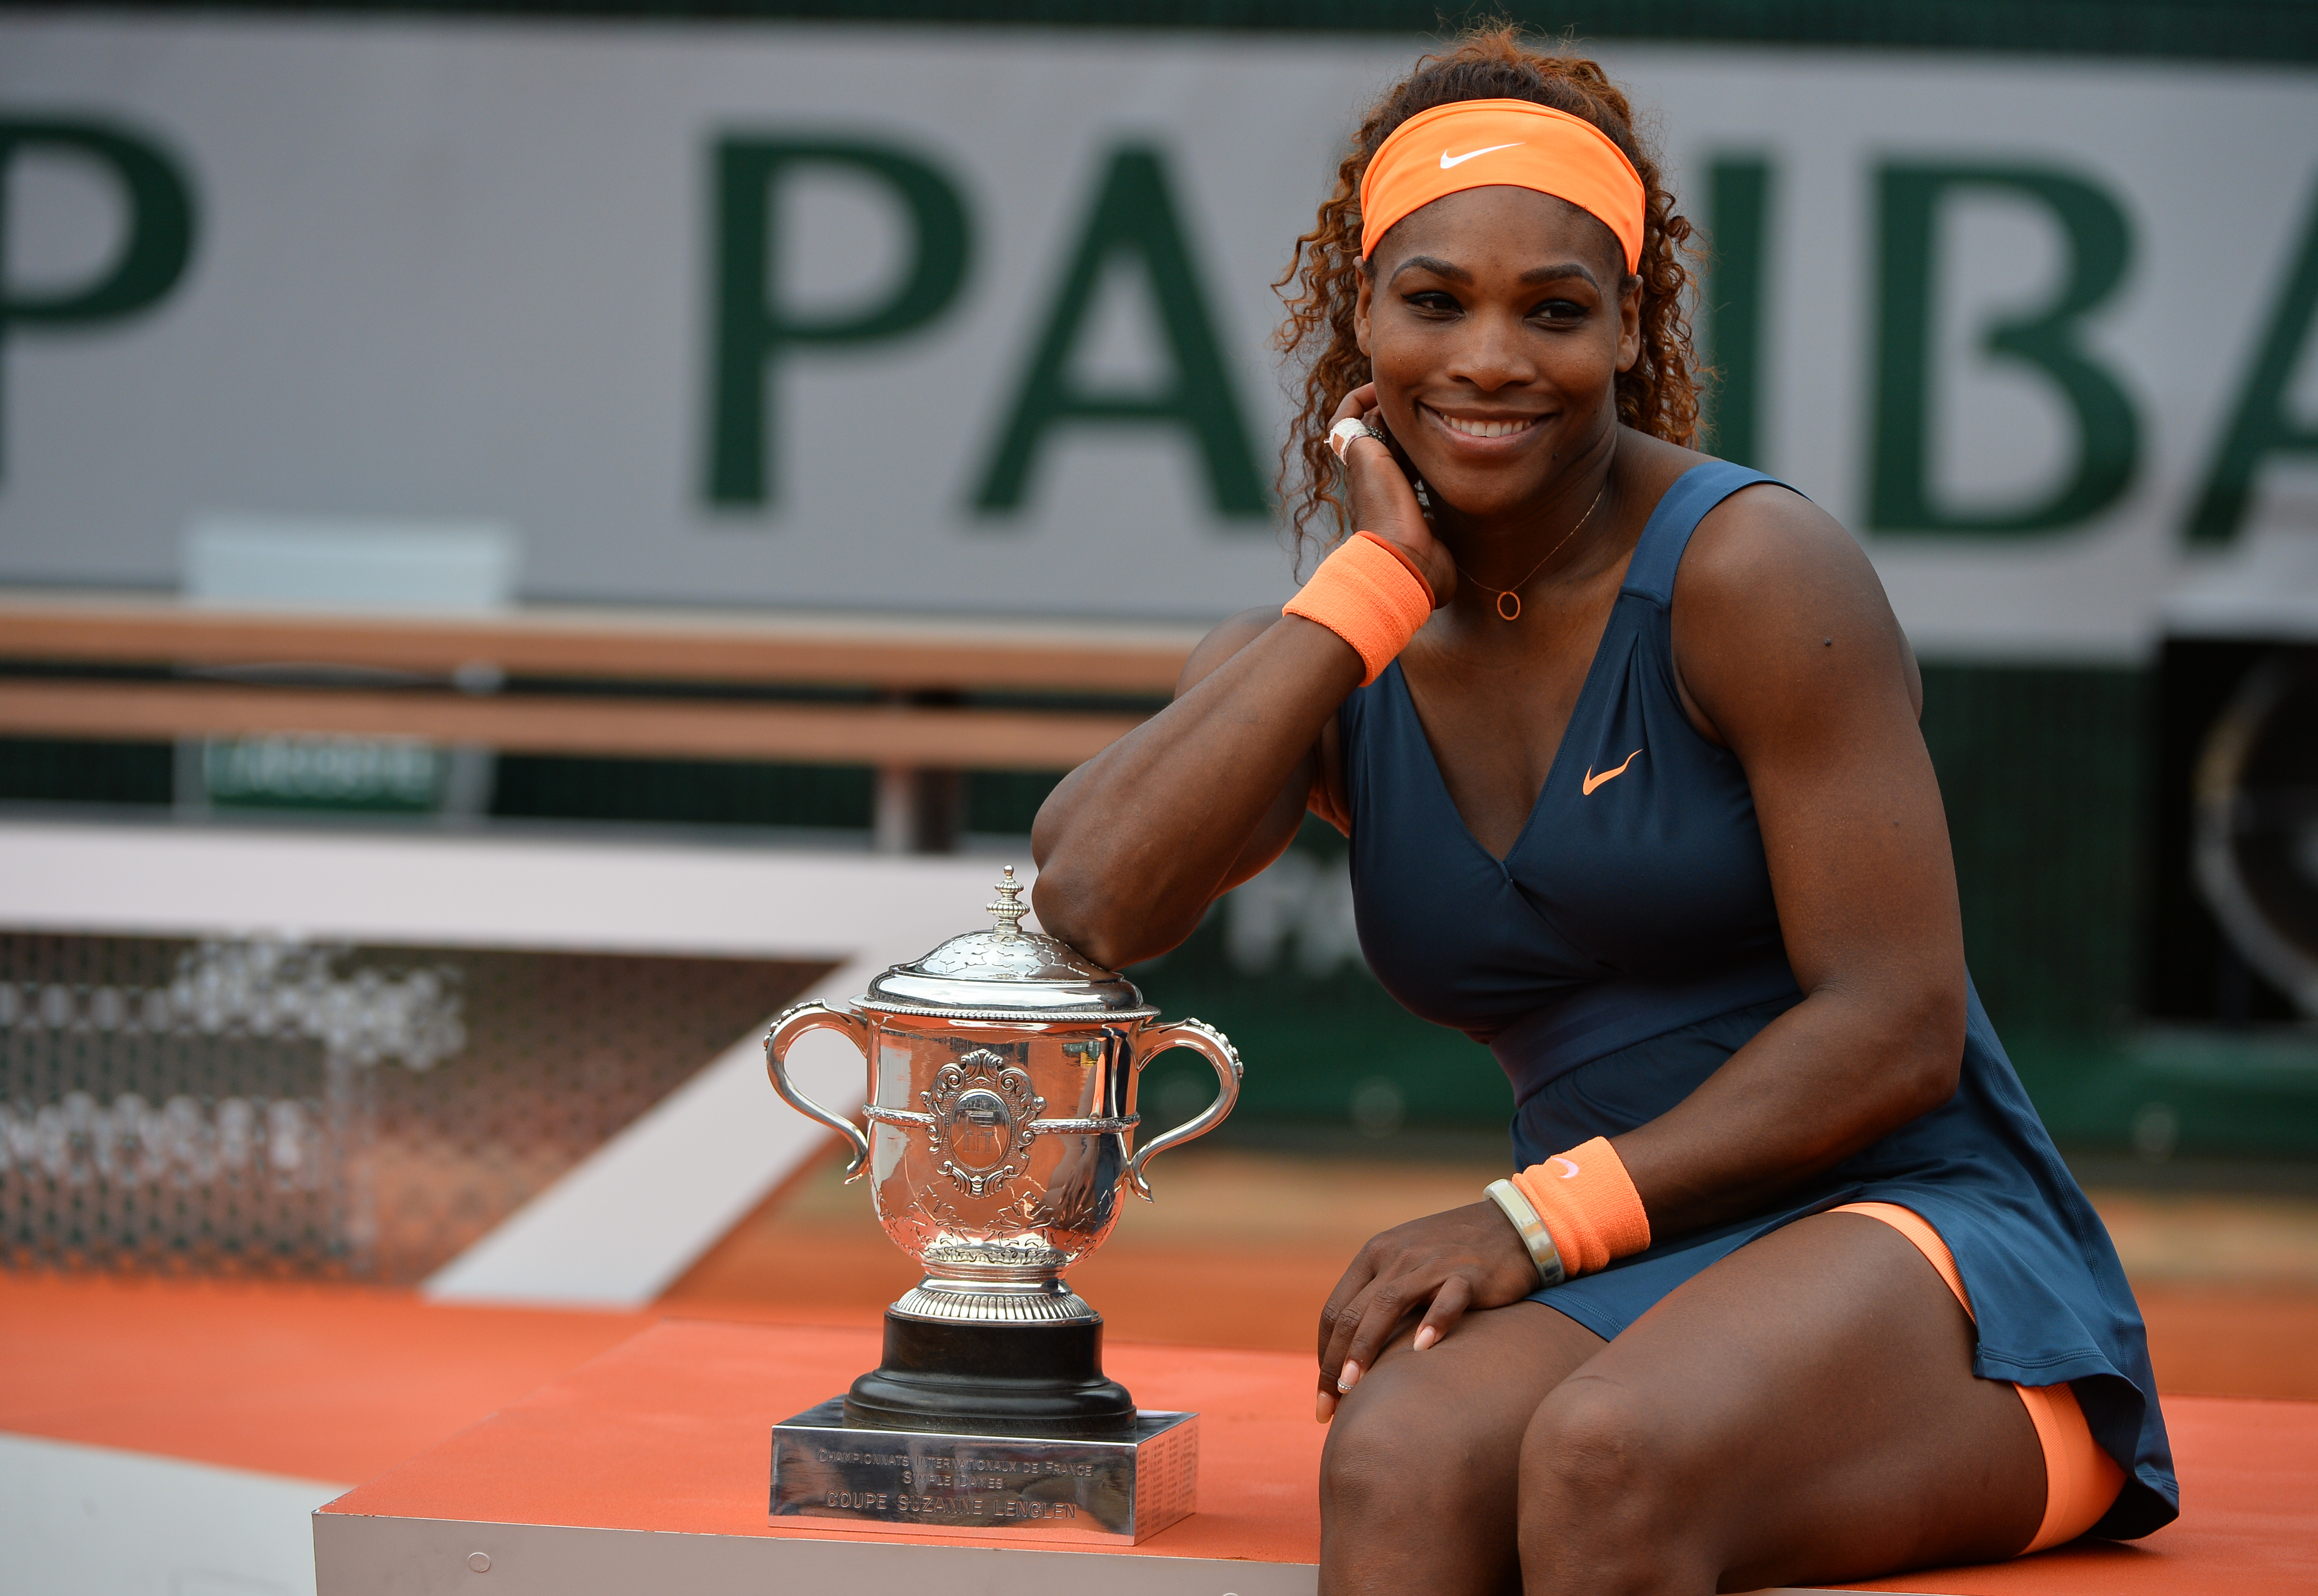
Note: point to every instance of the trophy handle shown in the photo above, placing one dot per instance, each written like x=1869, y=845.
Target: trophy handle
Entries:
x=794, y=1021
x=1210, y=1043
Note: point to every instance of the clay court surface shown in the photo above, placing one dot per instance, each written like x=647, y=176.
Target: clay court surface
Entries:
x=1210, y=1296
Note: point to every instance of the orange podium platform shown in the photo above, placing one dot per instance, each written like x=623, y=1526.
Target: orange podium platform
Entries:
x=646, y=1469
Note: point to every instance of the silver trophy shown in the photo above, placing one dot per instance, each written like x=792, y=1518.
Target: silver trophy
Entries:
x=1003, y=1071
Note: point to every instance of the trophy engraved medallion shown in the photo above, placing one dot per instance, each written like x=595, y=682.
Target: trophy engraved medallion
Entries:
x=1000, y=1138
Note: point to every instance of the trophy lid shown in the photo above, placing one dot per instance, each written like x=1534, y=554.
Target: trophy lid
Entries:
x=1005, y=972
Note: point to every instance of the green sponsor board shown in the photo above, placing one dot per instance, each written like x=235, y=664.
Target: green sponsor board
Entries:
x=814, y=318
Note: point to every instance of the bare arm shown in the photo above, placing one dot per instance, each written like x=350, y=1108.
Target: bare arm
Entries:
x=1787, y=647
x=1135, y=844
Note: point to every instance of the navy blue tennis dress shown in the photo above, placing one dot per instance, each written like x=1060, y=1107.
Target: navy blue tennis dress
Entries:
x=1628, y=944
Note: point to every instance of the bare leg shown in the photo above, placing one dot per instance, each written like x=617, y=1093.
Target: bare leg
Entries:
x=1418, y=1484
x=1803, y=1411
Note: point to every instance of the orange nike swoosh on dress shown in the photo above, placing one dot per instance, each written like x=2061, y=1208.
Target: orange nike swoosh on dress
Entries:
x=1593, y=781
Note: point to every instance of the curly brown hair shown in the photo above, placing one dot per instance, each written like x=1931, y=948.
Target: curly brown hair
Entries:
x=1659, y=395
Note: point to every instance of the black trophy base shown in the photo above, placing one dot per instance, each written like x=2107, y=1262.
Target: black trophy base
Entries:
x=992, y=1379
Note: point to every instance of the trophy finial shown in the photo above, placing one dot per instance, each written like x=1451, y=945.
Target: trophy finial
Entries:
x=1010, y=909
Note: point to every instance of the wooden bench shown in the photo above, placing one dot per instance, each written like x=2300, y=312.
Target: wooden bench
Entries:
x=659, y=683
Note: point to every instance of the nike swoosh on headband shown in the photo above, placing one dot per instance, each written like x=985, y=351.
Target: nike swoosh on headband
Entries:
x=1572, y=1175
x=1448, y=160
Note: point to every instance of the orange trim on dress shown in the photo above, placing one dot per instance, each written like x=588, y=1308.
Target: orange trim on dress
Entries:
x=2081, y=1479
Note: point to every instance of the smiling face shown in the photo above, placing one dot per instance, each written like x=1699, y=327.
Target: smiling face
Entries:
x=1497, y=321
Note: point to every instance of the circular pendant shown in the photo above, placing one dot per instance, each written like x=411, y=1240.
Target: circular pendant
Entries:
x=1511, y=614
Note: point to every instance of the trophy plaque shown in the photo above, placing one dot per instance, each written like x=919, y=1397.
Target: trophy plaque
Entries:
x=1001, y=1081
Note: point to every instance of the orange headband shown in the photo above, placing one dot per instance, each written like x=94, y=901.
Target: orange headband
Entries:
x=1482, y=143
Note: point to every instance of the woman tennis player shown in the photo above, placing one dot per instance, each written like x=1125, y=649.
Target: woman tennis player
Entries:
x=1790, y=1285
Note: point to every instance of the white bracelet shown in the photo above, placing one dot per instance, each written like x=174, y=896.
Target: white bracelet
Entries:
x=1534, y=1236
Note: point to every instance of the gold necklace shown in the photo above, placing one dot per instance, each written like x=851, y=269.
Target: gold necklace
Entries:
x=1513, y=592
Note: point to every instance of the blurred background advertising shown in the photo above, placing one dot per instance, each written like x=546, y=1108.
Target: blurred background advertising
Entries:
x=532, y=535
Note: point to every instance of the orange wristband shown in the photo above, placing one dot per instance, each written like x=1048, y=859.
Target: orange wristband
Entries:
x=1370, y=595
x=1588, y=1201
x=1403, y=555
